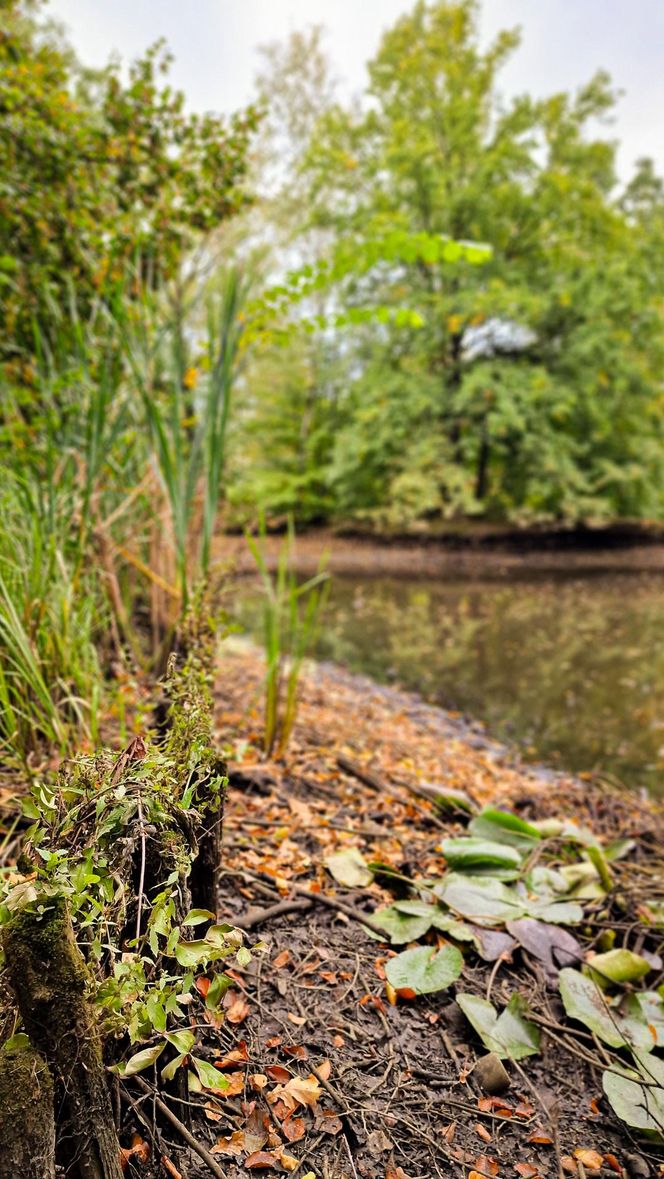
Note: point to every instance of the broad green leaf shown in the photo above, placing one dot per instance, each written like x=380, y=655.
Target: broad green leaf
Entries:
x=209, y=1076
x=504, y=827
x=482, y=900
x=636, y=1096
x=182, y=1041
x=349, y=868
x=481, y=856
x=583, y=1000
x=169, y=1070
x=508, y=1034
x=617, y=966
x=219, y=985
x=424, y=970
x=642, y=1020
x=139, y=1061
x=16, y=1043
x=198, y=917
x=403, y=927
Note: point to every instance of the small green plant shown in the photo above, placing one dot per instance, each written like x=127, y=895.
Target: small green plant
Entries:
x=291, y=613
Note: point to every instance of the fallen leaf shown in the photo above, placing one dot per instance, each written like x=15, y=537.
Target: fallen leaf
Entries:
x=378, y=1143
x=277, y=1072
x=298, y=1020
x=525, y=1170
x=238, y=1011
x=612, y=1162
x=328, y=1122
x=236, y=1057
x=541, y=1138
x=591, y=1159
x=486, y=1165
x=139, y=1149
x=261, y=1158
x=339, y=1042
x=258, y=1081
x=567, y=1163
x=324, y=1069
x=232, y=1144
x=293, y=1128
x=297, y=1050
x=483, y=1132
x=298, y=1091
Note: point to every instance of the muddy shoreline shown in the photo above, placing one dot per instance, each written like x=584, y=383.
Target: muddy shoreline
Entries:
x=488, y=555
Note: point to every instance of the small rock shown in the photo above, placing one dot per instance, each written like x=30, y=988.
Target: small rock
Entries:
x=492, y=1074
x=636, y=1166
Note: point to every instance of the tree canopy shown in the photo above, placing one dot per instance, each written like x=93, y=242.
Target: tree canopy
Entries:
x=531, y=389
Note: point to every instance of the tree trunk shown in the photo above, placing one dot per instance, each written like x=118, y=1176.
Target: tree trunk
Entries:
x=27, y=1123
x=49, y=977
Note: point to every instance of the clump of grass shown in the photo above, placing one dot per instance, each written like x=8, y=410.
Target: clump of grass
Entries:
x=291, y=614
x=50, y=613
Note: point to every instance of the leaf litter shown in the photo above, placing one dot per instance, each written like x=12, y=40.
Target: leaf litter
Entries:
x=350, y=1050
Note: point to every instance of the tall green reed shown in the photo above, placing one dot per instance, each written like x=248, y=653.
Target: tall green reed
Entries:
x=291, y=612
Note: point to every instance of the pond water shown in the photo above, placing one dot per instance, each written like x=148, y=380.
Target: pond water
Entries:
x=570, y=668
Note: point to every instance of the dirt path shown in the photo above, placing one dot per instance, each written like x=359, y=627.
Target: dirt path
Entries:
x=385, y=1090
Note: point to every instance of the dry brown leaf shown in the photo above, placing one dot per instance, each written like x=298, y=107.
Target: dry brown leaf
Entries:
x=277, y=1072
x=483, y=1132
x=232, y=1144
x=525, y=1170
x=293, y=1128
x=260, y=1159
x=591, y=1159
x=298, y=1091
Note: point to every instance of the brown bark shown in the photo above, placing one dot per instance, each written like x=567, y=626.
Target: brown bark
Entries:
x=49, y=978
x=27, y=1123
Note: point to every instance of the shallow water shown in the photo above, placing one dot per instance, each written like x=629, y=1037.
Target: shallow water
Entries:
x=571, y=668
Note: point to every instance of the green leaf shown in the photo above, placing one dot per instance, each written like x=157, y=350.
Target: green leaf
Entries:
x=483, y=900
x=349, y=868
x=403, y=926
x=169, y=1070
x=507, y=1034
x=219, y=985
x=182, y=1041
x=636, y=1096
x=16, y=1043
x=424, y=970
x=209, y=1076
x=199, y=917
x=139, y=1061
x=504, y=827
x=584, y=1001
x=617, y=966
x=643, y=1020
x=471, y=854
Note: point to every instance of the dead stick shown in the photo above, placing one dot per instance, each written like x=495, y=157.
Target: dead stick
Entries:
x=321, y=898
x=201, y=1151
x=371, y=779
x=256, y=917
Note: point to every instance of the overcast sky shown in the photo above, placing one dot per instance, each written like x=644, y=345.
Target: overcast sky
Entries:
x=564, y=42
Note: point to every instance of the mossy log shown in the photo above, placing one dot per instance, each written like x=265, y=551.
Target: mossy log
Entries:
x=49, y=978
x=27, y=1122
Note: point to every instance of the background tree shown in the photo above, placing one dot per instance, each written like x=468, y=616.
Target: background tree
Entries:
x=98, y=173
x=532, y=388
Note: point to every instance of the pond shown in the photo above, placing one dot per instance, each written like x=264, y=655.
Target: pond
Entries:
x=570, y=668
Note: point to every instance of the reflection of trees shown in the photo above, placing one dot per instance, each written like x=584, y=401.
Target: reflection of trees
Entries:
x=572, y=667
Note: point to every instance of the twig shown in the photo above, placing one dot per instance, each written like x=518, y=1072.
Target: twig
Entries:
x=201, y=1151
x=256, y=917
x=319, y=897
x=371, y=779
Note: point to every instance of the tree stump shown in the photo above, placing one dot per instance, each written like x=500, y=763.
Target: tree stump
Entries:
x=49, y=977
x=27, y=1123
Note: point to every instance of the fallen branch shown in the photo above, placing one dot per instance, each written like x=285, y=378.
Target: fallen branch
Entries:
x=255, y=917
x=371, y=779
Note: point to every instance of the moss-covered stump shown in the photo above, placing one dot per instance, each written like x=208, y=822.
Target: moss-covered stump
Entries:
x=27, y=1125
x=49, y=979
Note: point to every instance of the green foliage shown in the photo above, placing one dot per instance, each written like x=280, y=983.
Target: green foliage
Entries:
x=525, y=389
x=98, y=173
x=51, y=613
x=86, y=842
x=291, y=614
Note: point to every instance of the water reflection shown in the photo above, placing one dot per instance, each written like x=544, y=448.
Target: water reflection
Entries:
x=573, y=669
